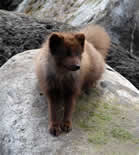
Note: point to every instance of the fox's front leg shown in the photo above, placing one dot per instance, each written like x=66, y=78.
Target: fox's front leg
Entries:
x=54, y=125
x=69, y=107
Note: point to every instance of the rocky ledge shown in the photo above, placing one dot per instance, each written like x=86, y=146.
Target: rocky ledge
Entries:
x=105, y=122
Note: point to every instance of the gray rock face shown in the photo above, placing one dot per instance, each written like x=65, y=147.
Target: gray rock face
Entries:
x=19, y=32
x=106, y=122
x=72, y=12
x=121, y=23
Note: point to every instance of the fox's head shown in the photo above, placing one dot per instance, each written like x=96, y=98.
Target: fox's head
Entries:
x=67, y=49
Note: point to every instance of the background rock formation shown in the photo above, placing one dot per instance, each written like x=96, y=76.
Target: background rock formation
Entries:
x=19, y=32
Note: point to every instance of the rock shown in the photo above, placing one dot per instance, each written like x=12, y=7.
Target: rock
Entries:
x=79, y=12
x=136, y=34
x=72, y=12
x=19, y=32
x=105, y=122
x=9, y=4
x=123, y=55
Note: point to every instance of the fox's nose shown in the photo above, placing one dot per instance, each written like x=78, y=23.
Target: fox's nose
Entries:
x=75, y=67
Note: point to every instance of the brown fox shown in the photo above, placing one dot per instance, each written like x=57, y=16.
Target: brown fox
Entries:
x=68, y=63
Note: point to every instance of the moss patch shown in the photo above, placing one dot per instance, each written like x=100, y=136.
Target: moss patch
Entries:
x=98, y=137
x=103, y=122
x=121, y=134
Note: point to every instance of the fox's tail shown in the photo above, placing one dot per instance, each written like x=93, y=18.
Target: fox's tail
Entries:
x=97, y=36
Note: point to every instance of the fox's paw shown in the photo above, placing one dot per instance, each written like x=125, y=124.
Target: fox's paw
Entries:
x=55, y=129
x=66, y=126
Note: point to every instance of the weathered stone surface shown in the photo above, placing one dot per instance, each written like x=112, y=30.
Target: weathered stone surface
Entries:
x=121, y=23
x=74, y=12
x=79, y=12
x=106, y=122
x=19, y=32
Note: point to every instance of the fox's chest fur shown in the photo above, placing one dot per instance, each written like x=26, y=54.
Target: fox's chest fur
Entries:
x=61, y=85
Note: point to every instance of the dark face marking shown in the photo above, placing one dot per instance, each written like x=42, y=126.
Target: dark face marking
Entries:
x=67, y=49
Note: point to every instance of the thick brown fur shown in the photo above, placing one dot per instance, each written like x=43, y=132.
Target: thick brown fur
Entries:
x=98, y=37
x=67, y=64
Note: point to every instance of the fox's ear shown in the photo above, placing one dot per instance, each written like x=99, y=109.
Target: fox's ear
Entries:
x=81, y=38
x=55, y=41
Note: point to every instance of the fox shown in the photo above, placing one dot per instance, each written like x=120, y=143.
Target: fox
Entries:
x=67, y=64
